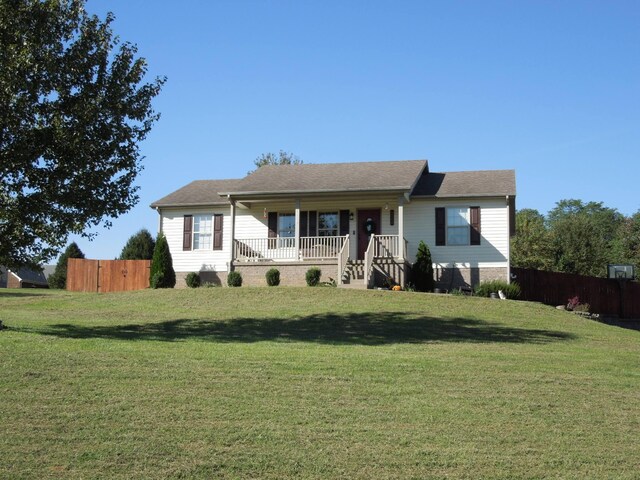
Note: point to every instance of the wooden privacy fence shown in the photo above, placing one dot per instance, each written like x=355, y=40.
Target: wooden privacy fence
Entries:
x=107, y=275
x=605, y=296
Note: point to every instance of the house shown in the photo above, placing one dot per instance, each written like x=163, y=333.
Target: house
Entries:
x=22, y=278
x=360, y=223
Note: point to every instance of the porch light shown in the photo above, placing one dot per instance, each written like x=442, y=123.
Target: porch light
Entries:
x=386, y=206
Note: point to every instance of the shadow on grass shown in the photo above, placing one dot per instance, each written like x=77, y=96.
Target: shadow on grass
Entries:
x=28, y=293
x=356, y=328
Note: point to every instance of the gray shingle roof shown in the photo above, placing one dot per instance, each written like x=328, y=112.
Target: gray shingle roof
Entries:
x=331, y=177
x=481, y=183
x=408, y=176
x=199, y=192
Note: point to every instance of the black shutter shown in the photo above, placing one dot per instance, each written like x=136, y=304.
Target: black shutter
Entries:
x=187, y=230
x=303, y=224
x=440, y=226
x=273, y=228
x=475, y=225
x=313, y=224
x=217, y=231
x=344, y=222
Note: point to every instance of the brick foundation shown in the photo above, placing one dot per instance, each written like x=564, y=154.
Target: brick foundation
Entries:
x=450, y=278
x=217, y=278
x=291, y=274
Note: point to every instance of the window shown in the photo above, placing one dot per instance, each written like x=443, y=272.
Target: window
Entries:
x=328, y=224
x=202, y=232
x=286, y=225
x=457, y=226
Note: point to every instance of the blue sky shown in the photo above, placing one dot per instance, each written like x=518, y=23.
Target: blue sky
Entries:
x=548, y=88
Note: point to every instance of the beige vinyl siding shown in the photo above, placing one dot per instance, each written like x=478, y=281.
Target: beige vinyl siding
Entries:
x=196, y=260
x=493, y=251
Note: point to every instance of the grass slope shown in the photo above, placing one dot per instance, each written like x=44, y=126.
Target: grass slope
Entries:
x=311, y=383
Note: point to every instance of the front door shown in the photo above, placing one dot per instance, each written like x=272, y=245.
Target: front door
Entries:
x=368, y=223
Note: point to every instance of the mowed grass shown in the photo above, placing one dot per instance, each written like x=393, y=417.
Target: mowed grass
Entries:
x=312, y=383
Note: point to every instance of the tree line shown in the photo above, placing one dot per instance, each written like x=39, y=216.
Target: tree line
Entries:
x=576, y=237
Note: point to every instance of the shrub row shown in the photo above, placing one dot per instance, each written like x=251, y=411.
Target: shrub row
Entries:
x=485, y=289
x=234, y=279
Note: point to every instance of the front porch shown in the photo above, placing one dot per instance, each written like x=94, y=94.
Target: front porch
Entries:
x=384, y=258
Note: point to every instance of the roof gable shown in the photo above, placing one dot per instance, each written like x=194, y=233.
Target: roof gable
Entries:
x=481, y=183
x=331, y=177
x=199, y=192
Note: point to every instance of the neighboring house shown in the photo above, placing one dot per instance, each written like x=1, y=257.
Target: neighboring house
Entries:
x=360, y=223
x=22, y=278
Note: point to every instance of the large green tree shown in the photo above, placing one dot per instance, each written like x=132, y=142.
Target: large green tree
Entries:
x=139, y=247
x=73, y=109
x=627, y=242
x=531, y=247
x=583, y=236
x=282, y=158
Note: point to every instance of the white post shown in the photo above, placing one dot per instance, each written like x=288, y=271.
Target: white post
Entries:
x=401, y=227
x=297, y=240
x=233, y=232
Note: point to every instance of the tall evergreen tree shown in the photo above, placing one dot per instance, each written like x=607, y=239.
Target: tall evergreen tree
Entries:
x=162, y=274
x=139, y=247
x=422, y=270
x=58, y=279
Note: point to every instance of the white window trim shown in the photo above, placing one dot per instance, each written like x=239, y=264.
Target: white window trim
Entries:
x=201, y=234
x=466, y=227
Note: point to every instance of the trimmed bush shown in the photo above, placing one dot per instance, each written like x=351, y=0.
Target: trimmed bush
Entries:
x=422, y=270
x=485, y=289
x=273, y=277
x=162, y=274
x=313, y=276
x=192, y=280
x=234, y=279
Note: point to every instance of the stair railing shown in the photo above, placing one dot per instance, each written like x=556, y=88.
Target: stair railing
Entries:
x=368, y=261
x=343, y=258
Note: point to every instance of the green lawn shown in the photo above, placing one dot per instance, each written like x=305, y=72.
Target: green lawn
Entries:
x=312, y=383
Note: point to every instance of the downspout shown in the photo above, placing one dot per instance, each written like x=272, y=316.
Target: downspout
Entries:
x=159, y=220
x=508, y=239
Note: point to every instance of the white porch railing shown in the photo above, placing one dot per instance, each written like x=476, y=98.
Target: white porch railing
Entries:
x=368, y=261
x=254, y=249
x=382, y=246
x=312, y=248
x=320, y=247
x=343, y=258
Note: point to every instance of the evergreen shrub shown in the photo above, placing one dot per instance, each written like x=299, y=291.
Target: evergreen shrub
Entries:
x=192, y=280
x=234, y=279
x=273, y=277
x=313, y=276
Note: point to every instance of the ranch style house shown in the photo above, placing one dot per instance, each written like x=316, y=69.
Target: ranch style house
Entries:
x=360, y=223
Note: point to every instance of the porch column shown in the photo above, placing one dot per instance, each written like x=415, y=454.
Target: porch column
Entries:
x=297, y=240
x=401, y=227
x=233, y=233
